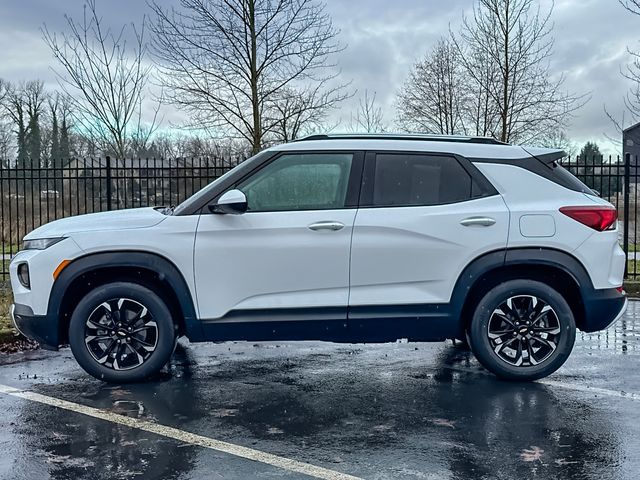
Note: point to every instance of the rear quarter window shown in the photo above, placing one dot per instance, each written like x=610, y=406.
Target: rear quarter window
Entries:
x=565, y=178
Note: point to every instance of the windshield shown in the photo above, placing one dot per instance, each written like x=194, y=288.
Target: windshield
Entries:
x=197, y=197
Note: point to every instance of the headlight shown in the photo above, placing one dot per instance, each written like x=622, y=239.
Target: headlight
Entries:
x=40, y=243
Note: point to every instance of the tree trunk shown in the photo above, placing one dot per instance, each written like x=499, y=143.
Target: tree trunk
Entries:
x=255, y=100
x=505, y=83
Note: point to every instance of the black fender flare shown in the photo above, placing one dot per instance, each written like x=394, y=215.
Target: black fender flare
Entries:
x=487, y=262
x=166, y=270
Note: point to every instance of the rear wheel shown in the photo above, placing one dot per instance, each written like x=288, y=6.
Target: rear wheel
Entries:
x=522, y=330
x=122, y=332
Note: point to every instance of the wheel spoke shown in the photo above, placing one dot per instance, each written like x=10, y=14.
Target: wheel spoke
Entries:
x=545, y=342
x=542, y=314
x=107, y=352
x=148, y=346
x=549, y=330
x=502, y=346
x=91, y=338
x=145, y=327
x=518, y=357
x=499, y=334
x=96, y=326
x=502, y=316
x=532, y=359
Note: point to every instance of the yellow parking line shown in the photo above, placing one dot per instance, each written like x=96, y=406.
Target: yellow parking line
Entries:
x=182, y=436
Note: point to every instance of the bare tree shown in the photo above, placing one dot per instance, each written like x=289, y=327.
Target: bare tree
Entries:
x=558, y=139
x=24, y=104
x=514, y=37
x=632, y=5
x=6, y=143
x=5, y=126
x=4, y=90
x=298, y=112
x=235, y=64
x=104, y=78
x=433, y=97
x=369, y=116
x=34, y=99
x=480, y=111
x=631, y=71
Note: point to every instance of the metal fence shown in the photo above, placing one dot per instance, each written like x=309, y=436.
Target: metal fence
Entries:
x=31, y=197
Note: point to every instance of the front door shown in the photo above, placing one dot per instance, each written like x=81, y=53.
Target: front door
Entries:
x=287, y=258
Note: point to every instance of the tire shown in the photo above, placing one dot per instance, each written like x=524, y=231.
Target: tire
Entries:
x=506, y=345
x=122, y=332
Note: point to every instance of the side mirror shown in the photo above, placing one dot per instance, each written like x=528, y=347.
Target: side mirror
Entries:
x=233, y=202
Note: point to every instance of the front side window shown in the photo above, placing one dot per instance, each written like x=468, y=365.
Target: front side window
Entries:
x=315, y=181
x=420, y=180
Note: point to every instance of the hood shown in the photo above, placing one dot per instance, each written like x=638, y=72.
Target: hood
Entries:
x=93, y=222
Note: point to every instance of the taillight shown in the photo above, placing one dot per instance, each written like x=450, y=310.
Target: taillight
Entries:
x=599, y=218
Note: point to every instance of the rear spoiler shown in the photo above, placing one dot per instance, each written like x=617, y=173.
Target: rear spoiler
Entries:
x=546, y=155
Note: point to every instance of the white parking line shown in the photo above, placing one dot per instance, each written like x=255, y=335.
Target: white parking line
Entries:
x=594, y=390
x=559, y=384
x=182, y=436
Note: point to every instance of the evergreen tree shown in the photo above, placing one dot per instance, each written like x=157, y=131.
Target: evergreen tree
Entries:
x=34, y=141
x=591, y=151
x=55, y=140
x=603, y=177
x=65, y=151
x=21, y=139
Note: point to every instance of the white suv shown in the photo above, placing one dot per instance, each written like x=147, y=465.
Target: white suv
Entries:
x=345, y=238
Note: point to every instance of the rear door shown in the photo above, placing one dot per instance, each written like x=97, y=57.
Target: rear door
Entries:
x=422, y=219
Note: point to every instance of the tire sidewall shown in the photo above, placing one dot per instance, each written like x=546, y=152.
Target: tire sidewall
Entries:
x=480, y=342
x=156, y=307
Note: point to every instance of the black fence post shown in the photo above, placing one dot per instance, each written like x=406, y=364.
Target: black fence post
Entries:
x=625, y=227
x=108, y=172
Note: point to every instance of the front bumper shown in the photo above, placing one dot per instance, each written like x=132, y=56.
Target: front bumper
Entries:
x=40, y=328
x=602, y=309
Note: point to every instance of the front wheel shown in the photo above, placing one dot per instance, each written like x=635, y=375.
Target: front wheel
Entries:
x=122, y=332
x=522, y=330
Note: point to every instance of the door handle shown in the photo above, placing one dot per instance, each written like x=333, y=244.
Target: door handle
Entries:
x=333, y=226
x=478, y=222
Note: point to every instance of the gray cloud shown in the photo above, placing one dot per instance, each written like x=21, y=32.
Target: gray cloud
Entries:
x=383, y=40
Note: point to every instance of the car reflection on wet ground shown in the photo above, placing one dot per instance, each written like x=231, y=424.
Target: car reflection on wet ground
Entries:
x=371, y=411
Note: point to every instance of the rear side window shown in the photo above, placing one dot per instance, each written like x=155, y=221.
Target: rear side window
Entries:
x=420, y=180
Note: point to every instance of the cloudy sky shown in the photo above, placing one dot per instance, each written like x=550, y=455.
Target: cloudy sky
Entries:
x=384, y=38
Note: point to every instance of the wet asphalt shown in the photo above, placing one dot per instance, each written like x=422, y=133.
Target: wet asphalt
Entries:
x=392, y=411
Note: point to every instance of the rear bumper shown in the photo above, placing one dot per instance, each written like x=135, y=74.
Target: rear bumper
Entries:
x=40, y=328
x=602, y=309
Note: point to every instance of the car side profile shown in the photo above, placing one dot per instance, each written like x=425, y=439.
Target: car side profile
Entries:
x=342, y=238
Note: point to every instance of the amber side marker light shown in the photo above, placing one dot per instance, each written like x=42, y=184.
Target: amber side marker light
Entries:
x=59, y=268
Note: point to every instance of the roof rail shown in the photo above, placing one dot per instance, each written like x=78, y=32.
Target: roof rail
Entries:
x=403, y=136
